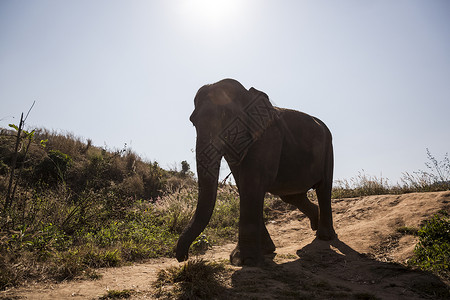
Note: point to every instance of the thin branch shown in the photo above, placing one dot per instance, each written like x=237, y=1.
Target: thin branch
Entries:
x=32, y=105
x=9, y=195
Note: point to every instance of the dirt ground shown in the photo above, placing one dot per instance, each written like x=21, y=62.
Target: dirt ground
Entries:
x=366, y=262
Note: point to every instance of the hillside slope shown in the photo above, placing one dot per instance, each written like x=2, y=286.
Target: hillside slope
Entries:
x=364, y=263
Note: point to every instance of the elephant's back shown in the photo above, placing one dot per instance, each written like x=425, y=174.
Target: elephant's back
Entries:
x=302, y=123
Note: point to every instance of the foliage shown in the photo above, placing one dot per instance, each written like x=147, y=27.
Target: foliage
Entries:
x=83, y=167
x=432, y=253
x=201, y=244
x=53, y=168
x=77, y=207
x=195, y=279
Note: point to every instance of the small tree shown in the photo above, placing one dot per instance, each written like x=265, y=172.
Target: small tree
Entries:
x=185, y=168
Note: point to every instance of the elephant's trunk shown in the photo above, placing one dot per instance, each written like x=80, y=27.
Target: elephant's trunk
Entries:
x=208, y=174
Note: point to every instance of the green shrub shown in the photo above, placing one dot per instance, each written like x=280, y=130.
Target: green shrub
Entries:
x=98, y=258
x=154, y=181
x=201, y=244
x=47, y=240
x=67, y=265
x=432, y=253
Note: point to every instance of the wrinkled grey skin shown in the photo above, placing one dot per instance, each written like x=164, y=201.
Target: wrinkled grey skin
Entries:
x=268, y=149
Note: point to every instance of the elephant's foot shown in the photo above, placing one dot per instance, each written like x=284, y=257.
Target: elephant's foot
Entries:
x=236, y=259
x=326, y=234
x=268, y=247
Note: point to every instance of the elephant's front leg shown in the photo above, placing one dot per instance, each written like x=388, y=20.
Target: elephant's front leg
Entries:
x=251, y=230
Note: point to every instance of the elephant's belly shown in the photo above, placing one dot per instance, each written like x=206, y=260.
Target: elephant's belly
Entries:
x=291, y=187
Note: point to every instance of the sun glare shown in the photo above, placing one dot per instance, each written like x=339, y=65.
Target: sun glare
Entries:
x=215, y=13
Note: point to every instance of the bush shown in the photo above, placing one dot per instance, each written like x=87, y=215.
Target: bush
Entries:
x=53, y=168
x=74, y=206
x=432, y=253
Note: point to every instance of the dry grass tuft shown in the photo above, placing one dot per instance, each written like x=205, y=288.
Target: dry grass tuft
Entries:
x=196, y=279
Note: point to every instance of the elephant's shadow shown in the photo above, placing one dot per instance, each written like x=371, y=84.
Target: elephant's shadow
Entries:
x=327, y=270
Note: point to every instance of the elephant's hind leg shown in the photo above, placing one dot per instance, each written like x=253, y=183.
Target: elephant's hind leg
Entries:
x=302, y=202
x=326, y=230
x=268, y=247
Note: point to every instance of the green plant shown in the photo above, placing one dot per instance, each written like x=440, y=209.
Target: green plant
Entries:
x=97, y=258
x=201, y=244
x=432, y=253
x=76, y=207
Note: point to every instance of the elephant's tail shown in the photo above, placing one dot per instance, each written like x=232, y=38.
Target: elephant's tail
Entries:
x=329, y=165
x=329, y=158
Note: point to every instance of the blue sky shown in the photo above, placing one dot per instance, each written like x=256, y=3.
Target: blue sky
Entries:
x=376, y=72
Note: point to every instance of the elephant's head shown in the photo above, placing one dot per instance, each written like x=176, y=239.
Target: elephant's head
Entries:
x=228, y=119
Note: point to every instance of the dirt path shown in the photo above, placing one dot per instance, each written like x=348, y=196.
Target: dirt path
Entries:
x=365, y=263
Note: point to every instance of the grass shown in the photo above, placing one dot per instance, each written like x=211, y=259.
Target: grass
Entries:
x=177, y=208
x=407, y=230
x=115, y=294
x=435, y=178
x=195, y=279
x=366, y=185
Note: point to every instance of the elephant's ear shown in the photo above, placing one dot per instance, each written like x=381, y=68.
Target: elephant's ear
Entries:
x=260, y=111
x=257, y=115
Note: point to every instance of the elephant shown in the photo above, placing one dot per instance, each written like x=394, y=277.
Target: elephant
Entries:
x=268, y=149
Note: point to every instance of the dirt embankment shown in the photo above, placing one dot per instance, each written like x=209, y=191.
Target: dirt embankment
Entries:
x=364, y=263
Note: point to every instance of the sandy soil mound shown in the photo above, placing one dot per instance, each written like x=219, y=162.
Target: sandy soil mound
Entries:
x=364, y=263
